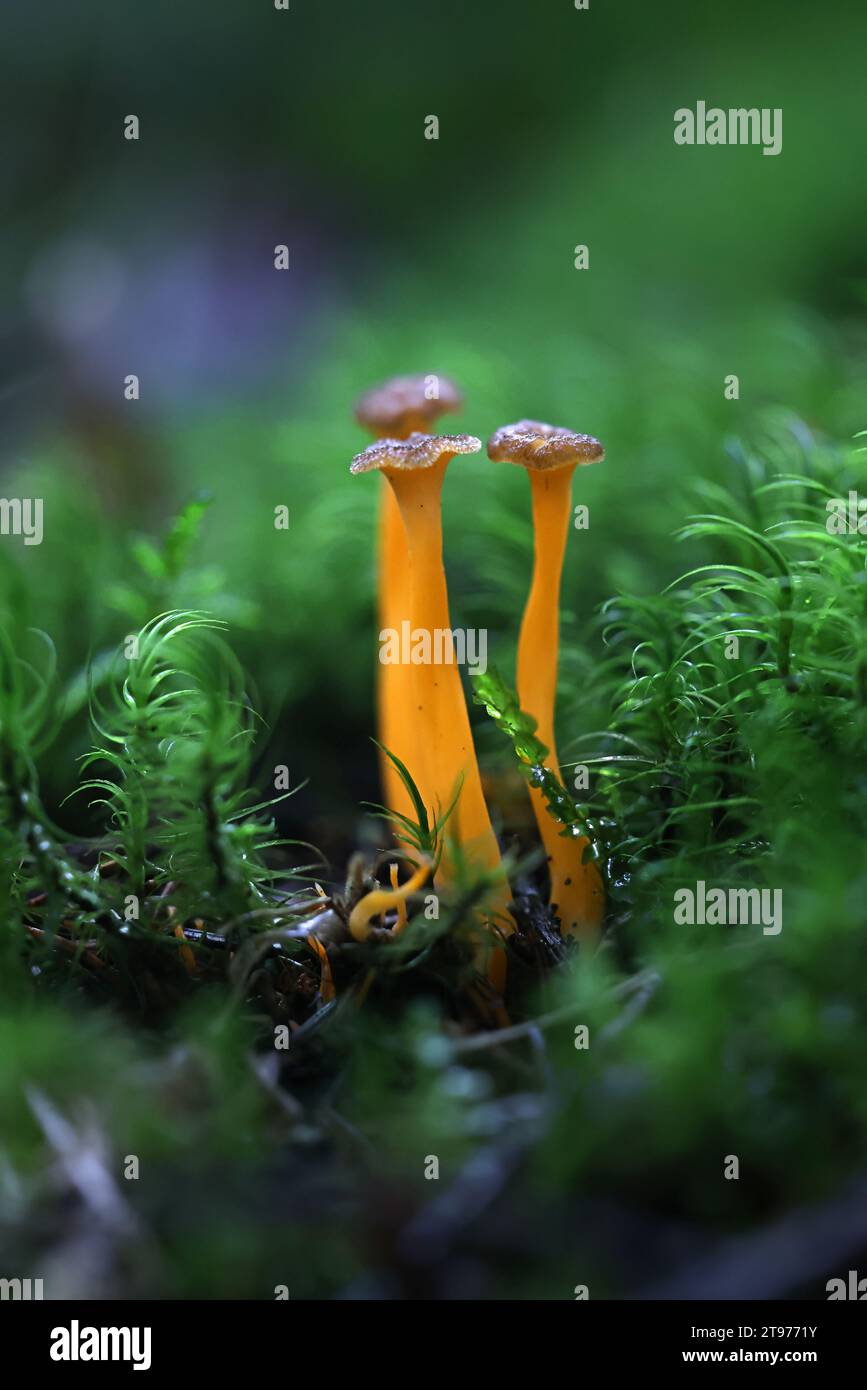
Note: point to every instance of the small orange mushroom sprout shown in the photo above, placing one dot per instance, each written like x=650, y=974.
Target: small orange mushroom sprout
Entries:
x=395, y=410
x=445, y=756
x=550, y=456
x=375, y=903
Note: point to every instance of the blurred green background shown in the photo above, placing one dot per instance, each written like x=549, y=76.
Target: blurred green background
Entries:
x=261, y=127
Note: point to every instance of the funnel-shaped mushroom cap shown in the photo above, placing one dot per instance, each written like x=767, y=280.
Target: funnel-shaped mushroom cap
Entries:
x=419, y=451
x=405, y=402
x=536, y=445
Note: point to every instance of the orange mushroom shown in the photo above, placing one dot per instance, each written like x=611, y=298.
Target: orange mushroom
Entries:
x=394, y=410
x=550, y=456
x=327, y=992
x=375, y=903
x=415, y=469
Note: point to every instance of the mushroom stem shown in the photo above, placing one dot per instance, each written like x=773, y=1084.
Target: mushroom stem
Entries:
x=394, y=682
x=327, y=991
x=539, y=638
x=576, y=887
x=447, y=754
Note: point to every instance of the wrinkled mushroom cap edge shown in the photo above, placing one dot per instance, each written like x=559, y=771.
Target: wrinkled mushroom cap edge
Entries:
x=419, y=451
x=539, y=446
